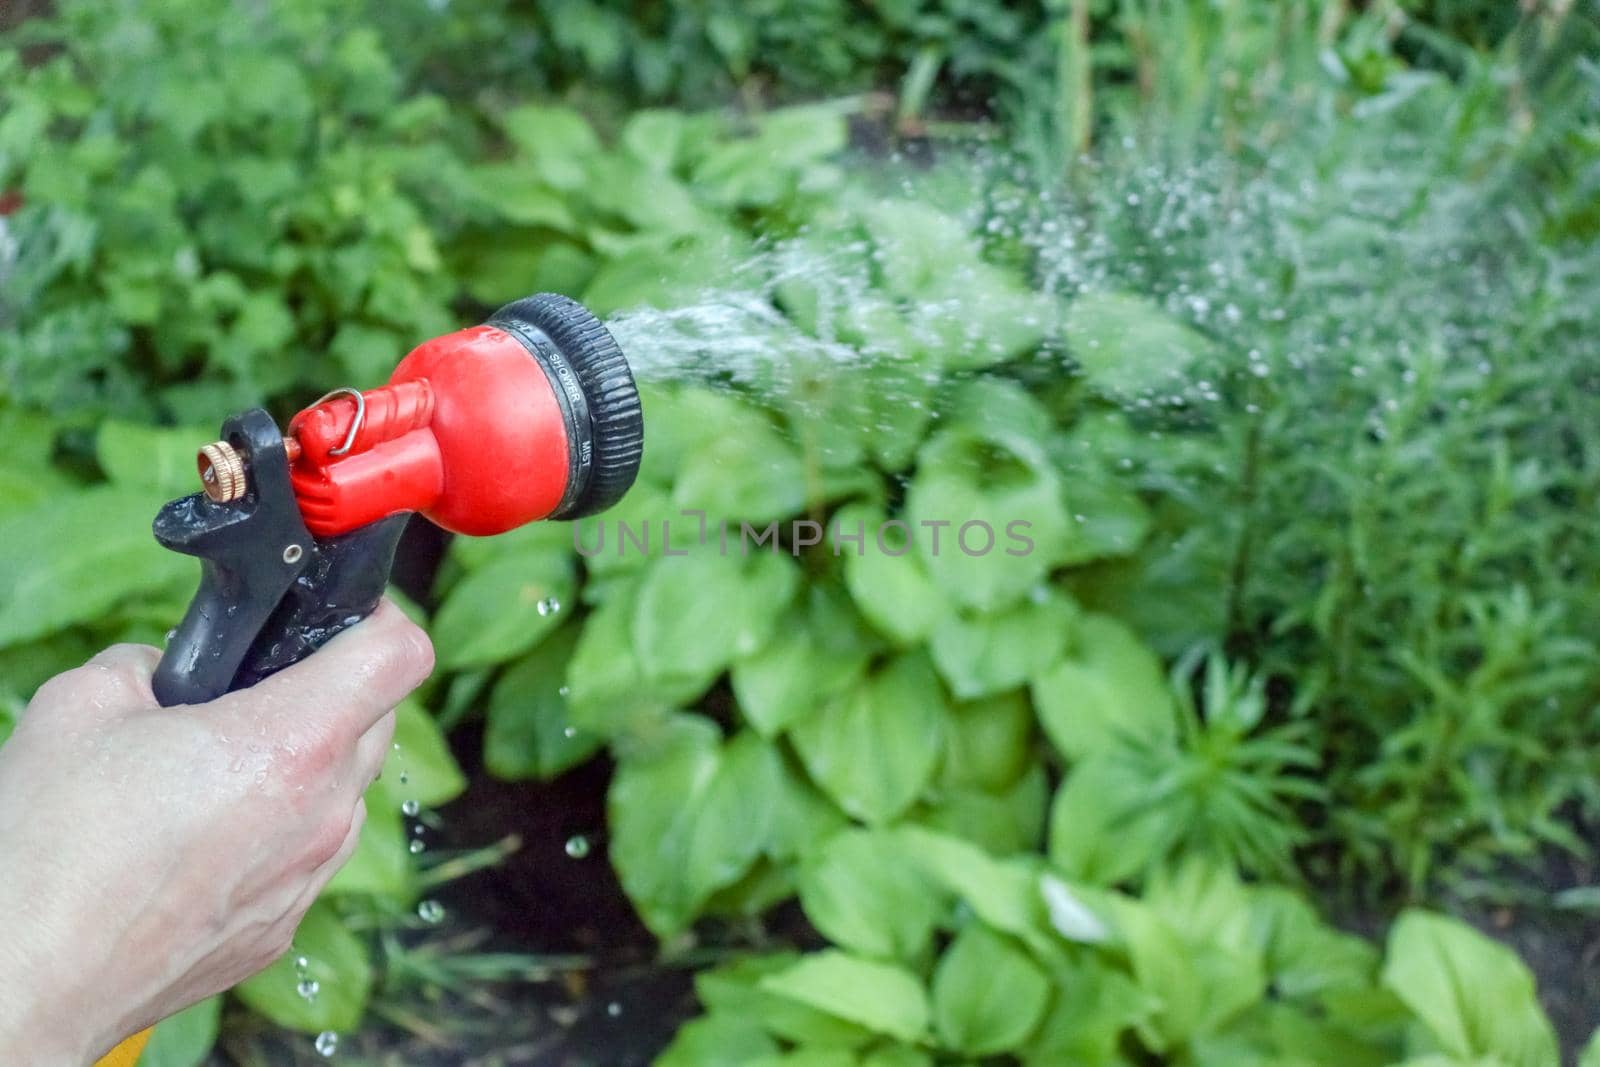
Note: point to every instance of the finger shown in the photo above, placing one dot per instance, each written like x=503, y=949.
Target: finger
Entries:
x=322, y=875
x=371, y=752
x=336, y=695
x=115, y=679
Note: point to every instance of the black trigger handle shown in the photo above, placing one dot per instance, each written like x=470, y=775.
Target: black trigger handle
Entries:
x=270, y=593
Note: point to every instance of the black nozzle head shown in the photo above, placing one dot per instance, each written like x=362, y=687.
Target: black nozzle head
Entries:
x=597, y=392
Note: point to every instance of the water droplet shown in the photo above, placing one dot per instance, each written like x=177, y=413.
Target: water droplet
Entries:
x=549, y=606
x=565, y=690
x=430, y=911
x=308, y=988
x=417, y=847
x=327, y=1043
x=301, y=963
x=569, y=731
x=577, y=846
x=410, y=807
x=404, y=777
x=613, y=1009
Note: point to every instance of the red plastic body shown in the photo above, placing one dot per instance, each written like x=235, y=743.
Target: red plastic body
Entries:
x=468, y=431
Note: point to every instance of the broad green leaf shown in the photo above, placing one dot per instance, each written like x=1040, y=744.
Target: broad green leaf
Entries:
x=689, y=816
x=1591, y=1051
x=520, y=195
x=818, y=649
x=688, y=419
x=987, y=743
x=336, y=961
x=145, y=457
x=807, y=1057
x=916, y=245
x=886, y=578
x=982, y=655
x=1200, y=985
x=557, y=142
x=665, y=277
x=1109, y=518
x=875, y=747
x=609, y=694
x=1305, y=956
x=716, y=1041
x=699, y=612
x=498, y=612
x=73, y=558
x=1127, y=345
x=1476, y=998
x=1103, y=828
x=1096, y=1004
x=529, y=733
x=988, y=516
x=1112, y=687
x=756, y=477
x=184, y=1039
x=735, y=990
x=655, y=137
x=421, y=765
x=882, y=997
x=897, y=1056
x=1005, y=822
x=988, y=995
x=1003, y=893
x=862, y=893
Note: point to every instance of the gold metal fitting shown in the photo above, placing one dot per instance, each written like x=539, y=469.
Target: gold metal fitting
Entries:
x=221, y=472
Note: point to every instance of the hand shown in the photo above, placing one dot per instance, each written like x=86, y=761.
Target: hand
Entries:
x=150, y=857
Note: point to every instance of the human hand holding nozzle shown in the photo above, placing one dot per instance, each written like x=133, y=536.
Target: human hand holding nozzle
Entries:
x=154, y=857
x=150, y=857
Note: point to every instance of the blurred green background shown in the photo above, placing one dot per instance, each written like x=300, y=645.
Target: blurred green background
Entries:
x=1276, y=320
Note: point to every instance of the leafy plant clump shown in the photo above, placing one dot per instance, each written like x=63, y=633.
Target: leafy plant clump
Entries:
x=1333, y=476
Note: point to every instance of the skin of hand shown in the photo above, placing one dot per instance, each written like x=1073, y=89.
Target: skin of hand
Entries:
x=151, y=857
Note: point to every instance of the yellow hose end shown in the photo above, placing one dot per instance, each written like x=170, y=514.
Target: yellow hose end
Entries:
x=127, y=1053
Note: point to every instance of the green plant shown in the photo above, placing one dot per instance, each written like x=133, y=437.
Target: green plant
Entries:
x=1229, y=372
x=217, y=206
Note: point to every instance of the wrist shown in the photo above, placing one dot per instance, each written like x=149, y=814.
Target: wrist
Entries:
x=43, y=1019
x=35, y=1028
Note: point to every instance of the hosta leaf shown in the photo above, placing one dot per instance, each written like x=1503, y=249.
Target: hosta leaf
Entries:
x=981, y=655
x=882, y=997
x=73, y=558
x=1003, y=893
x=1475, y=996
x=336, y=960
x=988, y=995
x=716, y=1041
x=987, y=743
x=699, y=612
x=1127, y=345
x=735, y=990
x=886, y=578
x=184, y=1039
x=147, y=457
x=875, y=747
x=818, y=649
x=530, y=733
x=862, y=893
x=1111, y=687
x=689, y=815
x=501, y=610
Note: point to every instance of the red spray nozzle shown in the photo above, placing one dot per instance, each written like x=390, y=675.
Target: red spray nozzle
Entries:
x=533, y=415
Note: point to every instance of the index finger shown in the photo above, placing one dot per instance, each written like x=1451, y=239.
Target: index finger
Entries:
x=343, y=688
